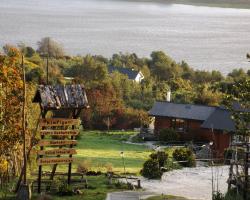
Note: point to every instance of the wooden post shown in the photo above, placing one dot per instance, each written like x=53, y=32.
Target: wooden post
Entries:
x=70, y=164
x=230, y=175
x=75, y=114
x=27, y=155
x=24, y=126
x=40, y=172
x=24, y=192
x=54, y=169
x=47, y=68
x=245, y=194
x=40, y=166
x=139, y=183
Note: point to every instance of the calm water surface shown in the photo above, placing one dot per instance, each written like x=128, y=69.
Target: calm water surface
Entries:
x=207, y=38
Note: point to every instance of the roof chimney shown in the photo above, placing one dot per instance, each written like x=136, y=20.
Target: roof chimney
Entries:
x=169, y=96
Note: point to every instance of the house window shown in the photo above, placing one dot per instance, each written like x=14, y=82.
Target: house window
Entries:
x=180, y=125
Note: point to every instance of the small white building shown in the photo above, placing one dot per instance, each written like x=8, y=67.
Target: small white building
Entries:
x=134, y=75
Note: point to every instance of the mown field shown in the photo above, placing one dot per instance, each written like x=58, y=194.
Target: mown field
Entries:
x=101, y=149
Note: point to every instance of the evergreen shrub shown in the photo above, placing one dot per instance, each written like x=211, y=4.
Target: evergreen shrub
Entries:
x=186, y=156
x=168, y=135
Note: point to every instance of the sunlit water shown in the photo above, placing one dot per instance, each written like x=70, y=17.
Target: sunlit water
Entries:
x=207, y=38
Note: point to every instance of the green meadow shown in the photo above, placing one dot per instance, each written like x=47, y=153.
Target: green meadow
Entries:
x=103, y=149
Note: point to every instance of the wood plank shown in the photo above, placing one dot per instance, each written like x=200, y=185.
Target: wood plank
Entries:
x=56, y=142
x=51, y=122
x=56, y=152
x=52, y=161
x=60, y=132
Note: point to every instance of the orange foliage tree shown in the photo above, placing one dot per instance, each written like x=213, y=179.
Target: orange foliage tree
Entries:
x=108, y=110
x=11, y=98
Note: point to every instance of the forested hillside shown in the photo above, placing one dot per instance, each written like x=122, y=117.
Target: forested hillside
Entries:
x=115, y=101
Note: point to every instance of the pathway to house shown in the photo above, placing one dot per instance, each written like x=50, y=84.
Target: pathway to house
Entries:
x=191, y=183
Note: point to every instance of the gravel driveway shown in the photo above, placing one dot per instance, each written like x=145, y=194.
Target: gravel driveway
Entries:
x=192, y=183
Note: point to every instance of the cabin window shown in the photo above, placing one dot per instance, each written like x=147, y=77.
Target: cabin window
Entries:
x=180, y=125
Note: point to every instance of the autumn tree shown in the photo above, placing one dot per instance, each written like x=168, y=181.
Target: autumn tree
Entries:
x=49, y=47
x=207, y=96
x=11, y=99
x=127, y=60
x=237, y=74
x=238, y=100
x=163, y=67
x=183, y=91
x=104, y=104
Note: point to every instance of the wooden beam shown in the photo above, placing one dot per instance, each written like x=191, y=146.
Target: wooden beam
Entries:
x=60, y=132
x=56, y=152
x=52, y=161
x=58, y=122
x=56, y=142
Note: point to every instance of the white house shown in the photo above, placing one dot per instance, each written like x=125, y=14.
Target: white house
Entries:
x=134, y=75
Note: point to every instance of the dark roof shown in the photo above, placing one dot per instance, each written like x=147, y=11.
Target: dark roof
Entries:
x=214, y=117
x=61, y=96
x=183, y=111
x=126, y=71
x=220, y=119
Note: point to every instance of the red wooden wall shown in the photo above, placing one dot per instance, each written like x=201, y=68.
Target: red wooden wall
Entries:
x=196, y=133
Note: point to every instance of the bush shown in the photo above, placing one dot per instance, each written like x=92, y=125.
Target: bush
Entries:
x=185, y=154
x=230, y=195
x=64, y=189
x=170, y=165
x=93, y=173
x=218, y=196
x=168, y=135
x=151, y=169
x=161, y=157
x=84, y=166
x=233, y=195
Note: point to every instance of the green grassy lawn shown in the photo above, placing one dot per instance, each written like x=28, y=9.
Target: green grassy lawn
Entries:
x=98, y=188
x=101, y=148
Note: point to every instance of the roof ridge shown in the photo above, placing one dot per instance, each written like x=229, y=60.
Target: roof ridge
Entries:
x=164, y=101
x=128, y=68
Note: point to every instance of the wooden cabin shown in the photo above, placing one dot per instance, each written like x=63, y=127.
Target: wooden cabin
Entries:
x=197, y=123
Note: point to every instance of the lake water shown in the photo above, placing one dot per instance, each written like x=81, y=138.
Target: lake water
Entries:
x=206, y=38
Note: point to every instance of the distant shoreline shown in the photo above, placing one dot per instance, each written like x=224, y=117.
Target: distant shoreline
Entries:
x=240, y=4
